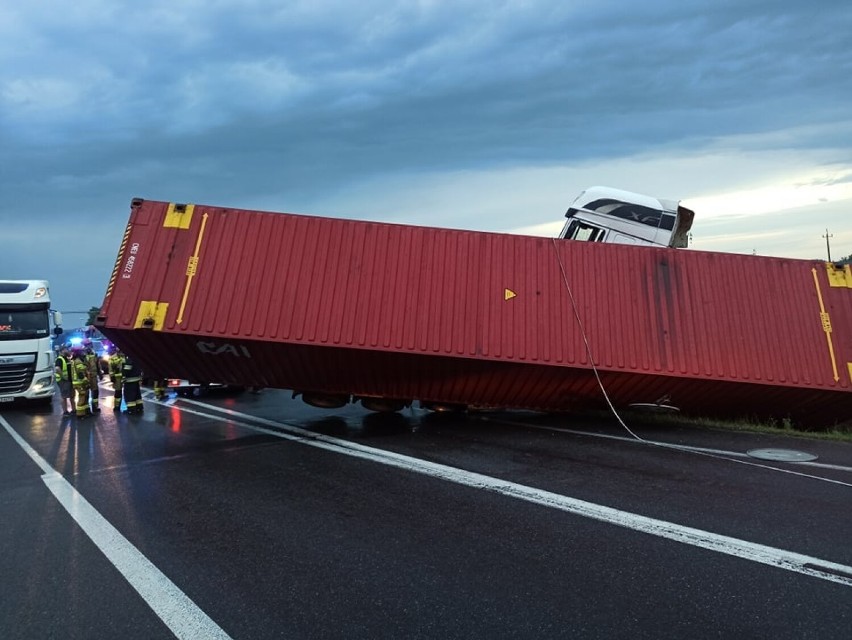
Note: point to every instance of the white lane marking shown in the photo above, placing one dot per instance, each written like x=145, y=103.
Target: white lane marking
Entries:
x=684, y=447
x=787, y=560
x=180, y=614
x=719, y=454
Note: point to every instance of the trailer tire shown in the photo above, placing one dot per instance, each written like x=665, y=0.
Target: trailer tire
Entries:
x=325, y=400
x=384, y=405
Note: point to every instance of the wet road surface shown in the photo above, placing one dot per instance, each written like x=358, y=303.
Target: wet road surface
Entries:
x=257, y=516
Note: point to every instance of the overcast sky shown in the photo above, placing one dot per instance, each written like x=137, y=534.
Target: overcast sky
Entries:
x=477, y=115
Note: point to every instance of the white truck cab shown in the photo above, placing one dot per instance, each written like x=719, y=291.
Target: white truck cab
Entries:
x=604, y=214
x=26, y=354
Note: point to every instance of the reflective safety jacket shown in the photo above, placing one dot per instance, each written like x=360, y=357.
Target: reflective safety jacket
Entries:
x=61, y=367
x=92, y=366
x=79, y=373
x=116, y=364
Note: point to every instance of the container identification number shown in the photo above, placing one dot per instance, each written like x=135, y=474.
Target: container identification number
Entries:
x=131, y=260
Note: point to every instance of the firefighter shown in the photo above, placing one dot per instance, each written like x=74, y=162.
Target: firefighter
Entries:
x=80, y=380
x=116, y=375
x=160, y=389
x=62, y=371
x=93, y=370
x=132, y=391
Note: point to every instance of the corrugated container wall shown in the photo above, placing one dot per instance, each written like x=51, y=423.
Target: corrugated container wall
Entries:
x=374, y=309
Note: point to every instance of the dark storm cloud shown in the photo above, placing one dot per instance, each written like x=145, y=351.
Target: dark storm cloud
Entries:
x=236, y=104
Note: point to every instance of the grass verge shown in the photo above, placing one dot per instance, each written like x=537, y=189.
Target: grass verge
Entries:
x=841, y=432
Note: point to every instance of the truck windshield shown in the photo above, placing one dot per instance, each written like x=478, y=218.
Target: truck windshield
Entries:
x=21, y=322
x=578, y=230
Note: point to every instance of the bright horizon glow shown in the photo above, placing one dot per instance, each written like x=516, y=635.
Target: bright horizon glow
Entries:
x=812, y=190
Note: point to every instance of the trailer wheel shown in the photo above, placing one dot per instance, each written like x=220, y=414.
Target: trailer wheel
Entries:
x=384, y=405
x=325, y=400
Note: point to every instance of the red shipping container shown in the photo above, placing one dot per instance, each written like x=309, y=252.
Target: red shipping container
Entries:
x=337, y=307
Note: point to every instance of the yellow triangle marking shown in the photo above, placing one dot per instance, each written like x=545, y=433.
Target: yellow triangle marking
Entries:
x=508, y=294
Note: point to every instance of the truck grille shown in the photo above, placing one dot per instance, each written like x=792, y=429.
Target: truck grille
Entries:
x=16, y=378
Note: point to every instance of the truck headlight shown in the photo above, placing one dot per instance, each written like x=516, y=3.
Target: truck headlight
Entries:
x=43, y=383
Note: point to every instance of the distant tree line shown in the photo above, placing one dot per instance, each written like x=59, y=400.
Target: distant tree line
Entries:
x=93, y=313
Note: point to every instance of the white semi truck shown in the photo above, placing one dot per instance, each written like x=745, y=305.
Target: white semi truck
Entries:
x=604, y=214
x=26, y=355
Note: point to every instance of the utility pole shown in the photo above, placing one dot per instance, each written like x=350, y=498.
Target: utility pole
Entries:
x=827, y=245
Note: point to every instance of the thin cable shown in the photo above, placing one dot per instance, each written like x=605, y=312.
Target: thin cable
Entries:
x=586, y=343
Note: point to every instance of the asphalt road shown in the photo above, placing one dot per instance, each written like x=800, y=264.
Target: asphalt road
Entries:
x=257, y=516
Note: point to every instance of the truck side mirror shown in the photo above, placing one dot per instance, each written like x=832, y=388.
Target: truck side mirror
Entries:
x=57, y=331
